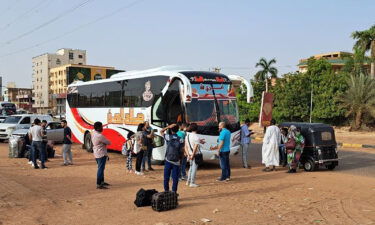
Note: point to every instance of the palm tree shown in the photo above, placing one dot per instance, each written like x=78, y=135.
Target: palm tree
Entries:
x=365, y=40
x=359, y=99
x=266, y=70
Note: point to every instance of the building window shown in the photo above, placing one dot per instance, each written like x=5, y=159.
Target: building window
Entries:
x=71, y=55
x=79, y=63
x=80, y=56
x=58, y=61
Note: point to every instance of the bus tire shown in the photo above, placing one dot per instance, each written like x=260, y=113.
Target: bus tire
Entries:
x=88, y=142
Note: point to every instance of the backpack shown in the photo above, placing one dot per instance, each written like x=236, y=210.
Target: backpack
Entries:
x=127, y=147
x=144, y=197
x=164, y=201
x=173, y=152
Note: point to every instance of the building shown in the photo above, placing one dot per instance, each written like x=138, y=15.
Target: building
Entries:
x=60, y=77
x=337, y=60
x=41, y=70
x=21, y=97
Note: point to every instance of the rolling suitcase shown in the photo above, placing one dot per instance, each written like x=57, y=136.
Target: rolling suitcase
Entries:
x=164, y=201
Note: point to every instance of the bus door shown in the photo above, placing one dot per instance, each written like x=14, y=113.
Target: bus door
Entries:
x=169, y=109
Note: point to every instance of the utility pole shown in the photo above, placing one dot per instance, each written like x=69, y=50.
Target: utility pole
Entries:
x=311, y=103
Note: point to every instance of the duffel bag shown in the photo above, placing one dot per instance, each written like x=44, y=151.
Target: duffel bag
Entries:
x=164, y=201
x=143, y=197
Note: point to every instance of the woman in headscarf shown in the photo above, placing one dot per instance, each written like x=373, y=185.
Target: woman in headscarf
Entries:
x=293, y=155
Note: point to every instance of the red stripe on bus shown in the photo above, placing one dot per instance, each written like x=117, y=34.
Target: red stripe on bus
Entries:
x=79, y=119
x=75, y=139
x=116, y=139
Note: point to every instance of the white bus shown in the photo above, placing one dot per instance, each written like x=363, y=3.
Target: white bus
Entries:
x=161, y=96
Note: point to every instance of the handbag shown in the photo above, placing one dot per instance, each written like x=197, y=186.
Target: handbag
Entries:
x=198, y=157
x=290, y=144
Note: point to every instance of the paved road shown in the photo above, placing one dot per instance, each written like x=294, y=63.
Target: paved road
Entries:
x=357, y=163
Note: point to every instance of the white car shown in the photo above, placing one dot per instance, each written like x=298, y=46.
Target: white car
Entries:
x=16, y=122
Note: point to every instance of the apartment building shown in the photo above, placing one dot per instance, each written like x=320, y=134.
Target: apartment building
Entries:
x=22, y=97
x=41, y=71
x=336, y=59
x=60, y=77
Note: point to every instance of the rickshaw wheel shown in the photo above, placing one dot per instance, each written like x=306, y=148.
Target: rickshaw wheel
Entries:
x=309, y=165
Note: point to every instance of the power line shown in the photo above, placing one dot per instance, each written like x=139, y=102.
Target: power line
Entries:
x=75, y=29
x=6, y=26
x=61, y=15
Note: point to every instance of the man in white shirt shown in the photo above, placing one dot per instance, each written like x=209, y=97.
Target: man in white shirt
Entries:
x=36, y=136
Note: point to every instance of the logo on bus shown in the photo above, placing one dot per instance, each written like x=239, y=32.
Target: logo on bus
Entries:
x=125, y=118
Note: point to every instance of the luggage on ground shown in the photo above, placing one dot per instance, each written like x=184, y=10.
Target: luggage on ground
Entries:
x=15, y=147
x=164, y=201
x=144, y=197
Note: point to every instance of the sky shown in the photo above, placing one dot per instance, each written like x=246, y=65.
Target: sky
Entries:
x=142, y=34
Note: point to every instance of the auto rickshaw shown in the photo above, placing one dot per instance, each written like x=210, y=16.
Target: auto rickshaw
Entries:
x=320, y=145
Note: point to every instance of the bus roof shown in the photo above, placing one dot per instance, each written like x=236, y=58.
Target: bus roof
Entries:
x=159, y=71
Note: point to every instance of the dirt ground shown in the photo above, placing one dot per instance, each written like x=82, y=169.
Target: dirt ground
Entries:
x=68, y=195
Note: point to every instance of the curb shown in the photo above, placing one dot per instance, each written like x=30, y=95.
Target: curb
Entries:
x=348, y=145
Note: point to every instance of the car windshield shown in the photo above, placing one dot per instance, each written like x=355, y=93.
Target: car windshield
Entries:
x=12, y=119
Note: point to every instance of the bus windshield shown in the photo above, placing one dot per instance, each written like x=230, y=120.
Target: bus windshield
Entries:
x=211, y=104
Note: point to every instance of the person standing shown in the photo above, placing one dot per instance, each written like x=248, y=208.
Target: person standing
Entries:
x=67, y=144
x=172, y=156
x=148, y=134
x=270, y=148
x=44, y=140
x=224, y=150
x=282, y=149
x=181, y=134
x=138, y=149
x=36, y=135
x=100, y=153
x=192, y=146
x=295, y=154
x=245, y=143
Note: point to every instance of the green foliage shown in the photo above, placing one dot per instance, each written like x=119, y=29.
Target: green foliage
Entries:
x=251, y=111
x=359, y=99
x=292, y=95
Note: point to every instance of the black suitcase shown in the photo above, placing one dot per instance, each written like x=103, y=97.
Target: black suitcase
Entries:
x=164, y=201
x=143, y=197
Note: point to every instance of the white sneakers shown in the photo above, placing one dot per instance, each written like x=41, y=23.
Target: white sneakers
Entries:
x=192, y=185
x=139, y=173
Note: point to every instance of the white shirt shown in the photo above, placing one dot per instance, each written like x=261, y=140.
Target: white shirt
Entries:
x=36, y=133
x=192, y=139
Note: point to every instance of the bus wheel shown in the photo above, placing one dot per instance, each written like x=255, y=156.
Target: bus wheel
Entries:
x=88, y=142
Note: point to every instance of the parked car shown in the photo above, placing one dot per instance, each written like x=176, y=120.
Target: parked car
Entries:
x=2, y=118
x=19, y=139
x=320, y=145
x=15, y=122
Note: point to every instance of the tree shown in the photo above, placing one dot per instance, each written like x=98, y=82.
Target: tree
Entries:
x=251, y=111
x=266, y=70
x=365, y=40
x=359, y=99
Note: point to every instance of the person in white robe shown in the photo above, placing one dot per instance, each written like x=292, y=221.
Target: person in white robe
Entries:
x=270, y=148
